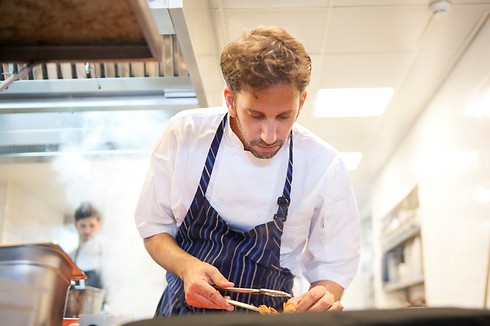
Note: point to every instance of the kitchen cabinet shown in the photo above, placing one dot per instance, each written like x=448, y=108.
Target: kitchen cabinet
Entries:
x=402, y=251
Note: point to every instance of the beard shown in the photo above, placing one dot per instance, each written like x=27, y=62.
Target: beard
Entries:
x=253, y=146
x=269, y=154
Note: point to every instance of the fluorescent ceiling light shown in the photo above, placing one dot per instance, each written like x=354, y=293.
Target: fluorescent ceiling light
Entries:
x=480, y=107
x=352, y=102
x=351, y=159
x=482, y=195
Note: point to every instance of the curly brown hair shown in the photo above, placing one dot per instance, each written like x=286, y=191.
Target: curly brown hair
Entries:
x=265, y=56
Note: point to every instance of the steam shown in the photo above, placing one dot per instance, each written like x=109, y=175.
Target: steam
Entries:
x=90, y=171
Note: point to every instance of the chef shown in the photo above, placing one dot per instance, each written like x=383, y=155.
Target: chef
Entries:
x=245, y=196
x=88, y=254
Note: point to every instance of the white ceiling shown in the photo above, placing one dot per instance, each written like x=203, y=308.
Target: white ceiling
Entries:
x=353, y=43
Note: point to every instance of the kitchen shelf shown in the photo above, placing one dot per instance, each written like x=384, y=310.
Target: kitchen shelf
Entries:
x=402, y=250
x=400, y=285
x=401, y=235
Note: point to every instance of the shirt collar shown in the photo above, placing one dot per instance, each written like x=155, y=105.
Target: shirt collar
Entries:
x=231, y=137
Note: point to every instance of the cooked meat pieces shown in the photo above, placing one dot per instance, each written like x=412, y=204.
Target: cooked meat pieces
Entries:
x=289, y=307
x=265, y=310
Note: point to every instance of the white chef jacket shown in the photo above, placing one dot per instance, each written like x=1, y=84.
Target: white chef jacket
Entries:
x=321, y=236
x=88, y=255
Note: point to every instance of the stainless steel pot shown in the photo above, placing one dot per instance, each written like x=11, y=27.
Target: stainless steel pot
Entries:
x=34, y=279
x=84, y=300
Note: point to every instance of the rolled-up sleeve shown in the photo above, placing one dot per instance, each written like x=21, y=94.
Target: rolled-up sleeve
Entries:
x=333, y=247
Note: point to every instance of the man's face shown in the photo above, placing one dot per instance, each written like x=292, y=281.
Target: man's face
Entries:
x=263, y=119
x=87, y=227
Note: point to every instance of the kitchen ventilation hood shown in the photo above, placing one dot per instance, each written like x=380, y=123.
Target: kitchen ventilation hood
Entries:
x=74, y=30
x=112, y=58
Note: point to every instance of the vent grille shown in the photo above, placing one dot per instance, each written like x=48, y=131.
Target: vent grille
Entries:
x=171, y=65
x=28, y=150
x=49, y=151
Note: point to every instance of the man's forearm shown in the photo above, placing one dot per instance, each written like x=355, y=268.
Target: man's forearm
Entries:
x=167, y=253
x=197, y=276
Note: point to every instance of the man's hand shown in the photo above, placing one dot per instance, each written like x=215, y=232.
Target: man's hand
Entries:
x=199, y=292
x=198, y=276
x=318, y=298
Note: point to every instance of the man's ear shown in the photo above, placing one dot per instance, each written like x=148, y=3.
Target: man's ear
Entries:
x=302, y=99
x=230, y=101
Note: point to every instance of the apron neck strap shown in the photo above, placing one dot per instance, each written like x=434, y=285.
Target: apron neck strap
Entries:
x=285, y=199
x=282, y=202
x=210, y=159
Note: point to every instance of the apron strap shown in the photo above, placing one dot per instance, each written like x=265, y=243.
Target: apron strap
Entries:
x=208, y=166
x=284, y=201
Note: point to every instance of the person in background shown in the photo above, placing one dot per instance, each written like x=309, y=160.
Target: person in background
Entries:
x=245, y=196
x=88, y=254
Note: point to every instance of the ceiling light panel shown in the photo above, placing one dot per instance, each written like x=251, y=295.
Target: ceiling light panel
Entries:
x=352, y=102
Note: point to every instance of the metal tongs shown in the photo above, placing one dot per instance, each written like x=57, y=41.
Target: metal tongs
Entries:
x=269, y=292
x=273, y=293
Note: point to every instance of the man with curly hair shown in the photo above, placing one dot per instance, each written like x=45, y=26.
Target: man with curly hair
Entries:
x=244, y=196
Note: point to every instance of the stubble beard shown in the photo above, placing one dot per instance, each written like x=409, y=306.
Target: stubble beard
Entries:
x=249, y=146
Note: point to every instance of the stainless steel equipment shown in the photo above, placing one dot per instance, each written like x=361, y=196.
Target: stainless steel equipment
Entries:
x=34, y=279
x=84, y=300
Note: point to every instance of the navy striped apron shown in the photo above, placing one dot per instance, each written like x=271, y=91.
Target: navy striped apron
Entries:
x=248, y=259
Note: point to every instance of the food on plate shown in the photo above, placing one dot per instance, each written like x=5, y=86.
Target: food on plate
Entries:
x=289, y=307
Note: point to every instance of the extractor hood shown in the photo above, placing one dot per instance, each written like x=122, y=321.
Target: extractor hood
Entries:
x=116, y=73
x=74, y=30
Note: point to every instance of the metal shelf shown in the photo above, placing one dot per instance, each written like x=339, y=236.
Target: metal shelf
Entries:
x=399, y=236
x=395, y=286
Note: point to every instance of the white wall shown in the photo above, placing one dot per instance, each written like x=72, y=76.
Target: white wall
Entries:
x=447, y=154
x=3, y=198
x=360, y=293
x=24, y=217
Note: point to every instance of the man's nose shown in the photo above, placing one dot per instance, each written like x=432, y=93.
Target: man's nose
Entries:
x=269, y=132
